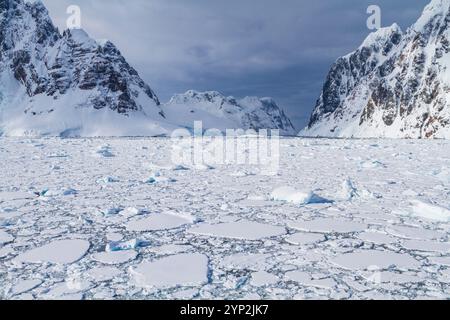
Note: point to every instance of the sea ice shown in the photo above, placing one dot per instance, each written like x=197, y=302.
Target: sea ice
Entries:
x=102, y=274
x=115, y=257
x=172, y=271
x=263, y=278
x=25, y=286
x=307, y=280
x=326, y=225
x=430, y=211
x=304, y=238
x=242, y=230
x=155, y=222
x=5, y=237
x=291, y=195
x=57, y=252
x=363, y=260
x=427, y=246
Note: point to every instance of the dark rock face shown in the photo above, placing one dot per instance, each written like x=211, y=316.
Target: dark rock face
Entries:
x=46, y=62
x=394, y=85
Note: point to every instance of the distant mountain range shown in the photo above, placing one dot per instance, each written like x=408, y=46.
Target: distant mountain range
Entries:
x=395, y=85
x=71, y=85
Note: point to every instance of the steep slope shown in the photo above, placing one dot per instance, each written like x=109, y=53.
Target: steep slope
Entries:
x=395, y=85
x=220, y=112
x=67, y=84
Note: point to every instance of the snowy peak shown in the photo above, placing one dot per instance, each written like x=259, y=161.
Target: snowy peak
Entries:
x=434, y=14
x=45, y=76
x=394, y=85
x=383, y=37
x=220, y=112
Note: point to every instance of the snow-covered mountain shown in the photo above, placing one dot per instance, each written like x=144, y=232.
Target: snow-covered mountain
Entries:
x=71, y=85
x=394, y=85
x=67, y=84
x=220, y=112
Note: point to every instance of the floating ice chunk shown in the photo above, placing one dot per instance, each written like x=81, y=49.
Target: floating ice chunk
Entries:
x=307, y=280
x=242, y=230
x=291, y=195
x=430, y=211
x=392, y=277
x=173, y=271
x=104, y=151
x=5, y=237
x=114, y=237
x=304, y=238
x=362, y=260
x=170, y=249
x=48, y=193
x=158, y=178
x=108, y=179
x=115, y=257
x=263, y=278
x=111, y=211
x=288, y=194
x=372, y=164
x=348, y=191
x=185, y=294
x=427, y=246
x=5, y=251
x=127, y=245
x=255, y=261
x=132, y=212
x=408, y=232
x=327, y=225
x=443, y=261
x=376, y=237
x=68, y=289
x=57, y=252
x=104, y=273
x=25, y=286
x=158, y=222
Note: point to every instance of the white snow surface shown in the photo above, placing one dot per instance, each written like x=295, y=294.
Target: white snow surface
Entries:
x=218, y=235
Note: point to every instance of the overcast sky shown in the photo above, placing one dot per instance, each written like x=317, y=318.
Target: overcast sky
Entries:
x=277, y=48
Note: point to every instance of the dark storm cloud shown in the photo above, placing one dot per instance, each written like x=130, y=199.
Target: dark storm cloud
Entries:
x=272, y=48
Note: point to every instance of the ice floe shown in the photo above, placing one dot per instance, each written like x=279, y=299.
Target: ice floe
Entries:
x=291, y=195
x=126, y=245
x=102, y=274
x=326, y=225
x=172, y=271
x=114, y=257
x=5, y=237
x=57, y=252
x=305, y=279
x=160, y=221
x=25, y=285
x=242, y=230
x=363, y=260
x=304, y=238
x=430, y=211
x=263, y=278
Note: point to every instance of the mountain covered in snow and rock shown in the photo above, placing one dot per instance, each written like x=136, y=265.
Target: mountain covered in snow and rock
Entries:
x=395, y=85
x=220, y=112
x=71, y=85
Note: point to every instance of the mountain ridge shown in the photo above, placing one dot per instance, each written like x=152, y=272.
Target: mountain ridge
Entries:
x=395, y=85
x=68, y=84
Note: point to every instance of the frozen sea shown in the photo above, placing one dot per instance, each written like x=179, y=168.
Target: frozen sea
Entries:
x=114, y=219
